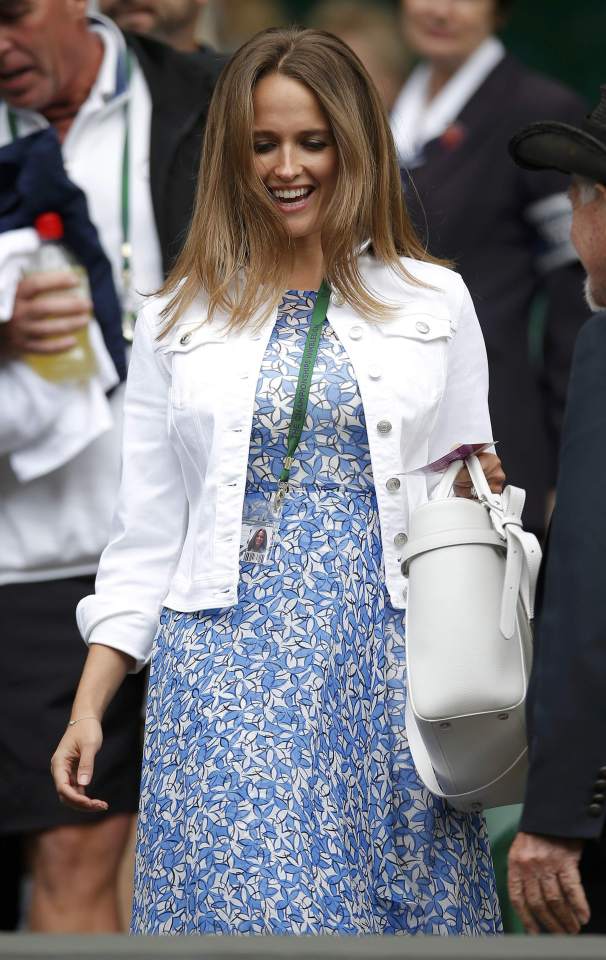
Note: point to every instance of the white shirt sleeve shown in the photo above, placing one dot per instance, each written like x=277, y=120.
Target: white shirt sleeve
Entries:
x=150, y=521
x=463, y=416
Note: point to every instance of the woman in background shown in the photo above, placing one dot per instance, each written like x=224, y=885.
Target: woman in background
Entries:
x=507, y=230
x=306, y=354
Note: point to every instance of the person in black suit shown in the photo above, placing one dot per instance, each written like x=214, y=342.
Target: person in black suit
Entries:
x=180, y=87
x=557, y=863
x=506, y=231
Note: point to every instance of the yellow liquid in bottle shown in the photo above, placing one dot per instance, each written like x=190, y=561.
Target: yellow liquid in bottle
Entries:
x=78, y=363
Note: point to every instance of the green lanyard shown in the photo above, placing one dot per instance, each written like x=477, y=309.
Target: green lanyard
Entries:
x=12, y=123
x=299, y=410
x=128, y=315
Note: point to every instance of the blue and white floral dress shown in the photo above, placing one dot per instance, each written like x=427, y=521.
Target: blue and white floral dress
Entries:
x=278, y=792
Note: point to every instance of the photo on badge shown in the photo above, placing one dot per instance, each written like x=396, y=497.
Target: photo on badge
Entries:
x=257, y=539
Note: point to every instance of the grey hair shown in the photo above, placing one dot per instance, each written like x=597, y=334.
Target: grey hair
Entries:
x=587, y=189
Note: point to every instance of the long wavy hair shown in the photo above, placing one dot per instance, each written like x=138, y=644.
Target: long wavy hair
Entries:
x=238, y=250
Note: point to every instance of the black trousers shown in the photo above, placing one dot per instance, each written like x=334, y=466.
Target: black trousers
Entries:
x=41, y=659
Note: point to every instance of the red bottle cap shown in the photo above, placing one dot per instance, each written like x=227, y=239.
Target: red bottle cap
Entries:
x=49, y=226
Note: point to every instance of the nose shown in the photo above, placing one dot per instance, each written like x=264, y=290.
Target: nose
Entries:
x=287, y=166
x=5, y=42
x=442, y=9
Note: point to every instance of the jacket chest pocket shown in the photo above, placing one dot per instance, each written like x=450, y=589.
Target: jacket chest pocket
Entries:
x=199, y=366
x=417, y=349
x=199, y=384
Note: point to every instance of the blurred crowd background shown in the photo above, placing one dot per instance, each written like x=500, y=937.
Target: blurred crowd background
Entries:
x=564, y=39
x=561, y=38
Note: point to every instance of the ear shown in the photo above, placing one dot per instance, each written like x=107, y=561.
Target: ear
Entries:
x=601, y=190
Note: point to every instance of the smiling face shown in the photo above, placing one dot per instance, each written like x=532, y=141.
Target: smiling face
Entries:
x=37, y=43
x=447, y=32
x=294, y=153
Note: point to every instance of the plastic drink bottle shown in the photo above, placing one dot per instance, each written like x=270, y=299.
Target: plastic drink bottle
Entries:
x=78, y=362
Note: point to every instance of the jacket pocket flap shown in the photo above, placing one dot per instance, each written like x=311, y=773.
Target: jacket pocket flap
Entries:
x=189, y=336
x=417, y=326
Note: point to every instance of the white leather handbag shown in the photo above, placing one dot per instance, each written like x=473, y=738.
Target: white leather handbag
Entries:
x=472, y=575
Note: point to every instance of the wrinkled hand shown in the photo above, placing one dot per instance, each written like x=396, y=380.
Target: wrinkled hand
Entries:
x=47, y=312
x=73, y=763
x=493, y=471
x=545, y=883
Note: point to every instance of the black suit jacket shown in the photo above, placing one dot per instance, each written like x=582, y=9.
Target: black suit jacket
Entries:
x=180, y=86
x=566, y=712
x=473, y=207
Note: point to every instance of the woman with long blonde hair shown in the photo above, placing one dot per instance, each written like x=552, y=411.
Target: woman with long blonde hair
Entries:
x=304, y=359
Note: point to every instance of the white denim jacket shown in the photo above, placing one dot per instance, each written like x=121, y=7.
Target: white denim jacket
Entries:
x=190, y=398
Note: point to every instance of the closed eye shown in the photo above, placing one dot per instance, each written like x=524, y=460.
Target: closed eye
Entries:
x=315, y=145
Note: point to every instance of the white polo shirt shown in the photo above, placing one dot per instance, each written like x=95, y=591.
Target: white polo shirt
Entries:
x=57, y=524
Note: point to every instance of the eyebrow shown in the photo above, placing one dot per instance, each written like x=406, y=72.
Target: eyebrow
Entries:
x=319, y=131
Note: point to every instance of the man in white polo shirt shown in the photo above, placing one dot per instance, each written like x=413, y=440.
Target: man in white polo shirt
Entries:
x=130, y=114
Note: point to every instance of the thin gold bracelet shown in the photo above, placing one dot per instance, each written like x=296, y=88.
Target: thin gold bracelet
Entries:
x=72, y=722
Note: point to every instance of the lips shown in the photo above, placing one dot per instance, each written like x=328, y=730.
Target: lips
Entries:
x=7, y=75
x=11, y=80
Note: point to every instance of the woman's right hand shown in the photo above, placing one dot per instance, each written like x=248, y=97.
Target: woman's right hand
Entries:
x=73, y=763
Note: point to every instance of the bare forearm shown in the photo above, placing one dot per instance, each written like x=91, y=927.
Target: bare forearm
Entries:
x=104, y=671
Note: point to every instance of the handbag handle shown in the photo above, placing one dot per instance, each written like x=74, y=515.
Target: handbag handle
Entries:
x=523, y=550
x=478, y=478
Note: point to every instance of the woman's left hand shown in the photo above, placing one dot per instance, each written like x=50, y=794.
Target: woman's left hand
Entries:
x=493, y=471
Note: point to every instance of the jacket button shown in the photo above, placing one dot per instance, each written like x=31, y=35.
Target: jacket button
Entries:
x=599, y=785
x=422, y=327
x=337, y=299
x=384, y=427
x=393, y=484
x=400, y=539
x=598, y=798
x=602, y=772
x=185, y=339
x=595, y=809
x=374, y=372
x=356, y=333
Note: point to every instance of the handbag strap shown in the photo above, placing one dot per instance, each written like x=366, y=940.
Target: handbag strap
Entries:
x=478, y=479
x=523, y=550
x=448, y=538
x=523, y=558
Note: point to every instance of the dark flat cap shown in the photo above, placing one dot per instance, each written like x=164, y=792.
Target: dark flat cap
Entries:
x=550, y=145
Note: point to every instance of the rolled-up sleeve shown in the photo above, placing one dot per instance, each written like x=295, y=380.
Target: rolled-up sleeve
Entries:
x=463, y=416
x=149, y=524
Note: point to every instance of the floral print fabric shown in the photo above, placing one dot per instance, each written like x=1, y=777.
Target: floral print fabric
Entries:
x=278, y=793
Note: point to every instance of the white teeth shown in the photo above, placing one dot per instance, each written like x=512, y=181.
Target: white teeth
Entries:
x=295, y=194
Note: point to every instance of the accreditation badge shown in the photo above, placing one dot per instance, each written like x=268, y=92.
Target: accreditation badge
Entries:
x=260, y=522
